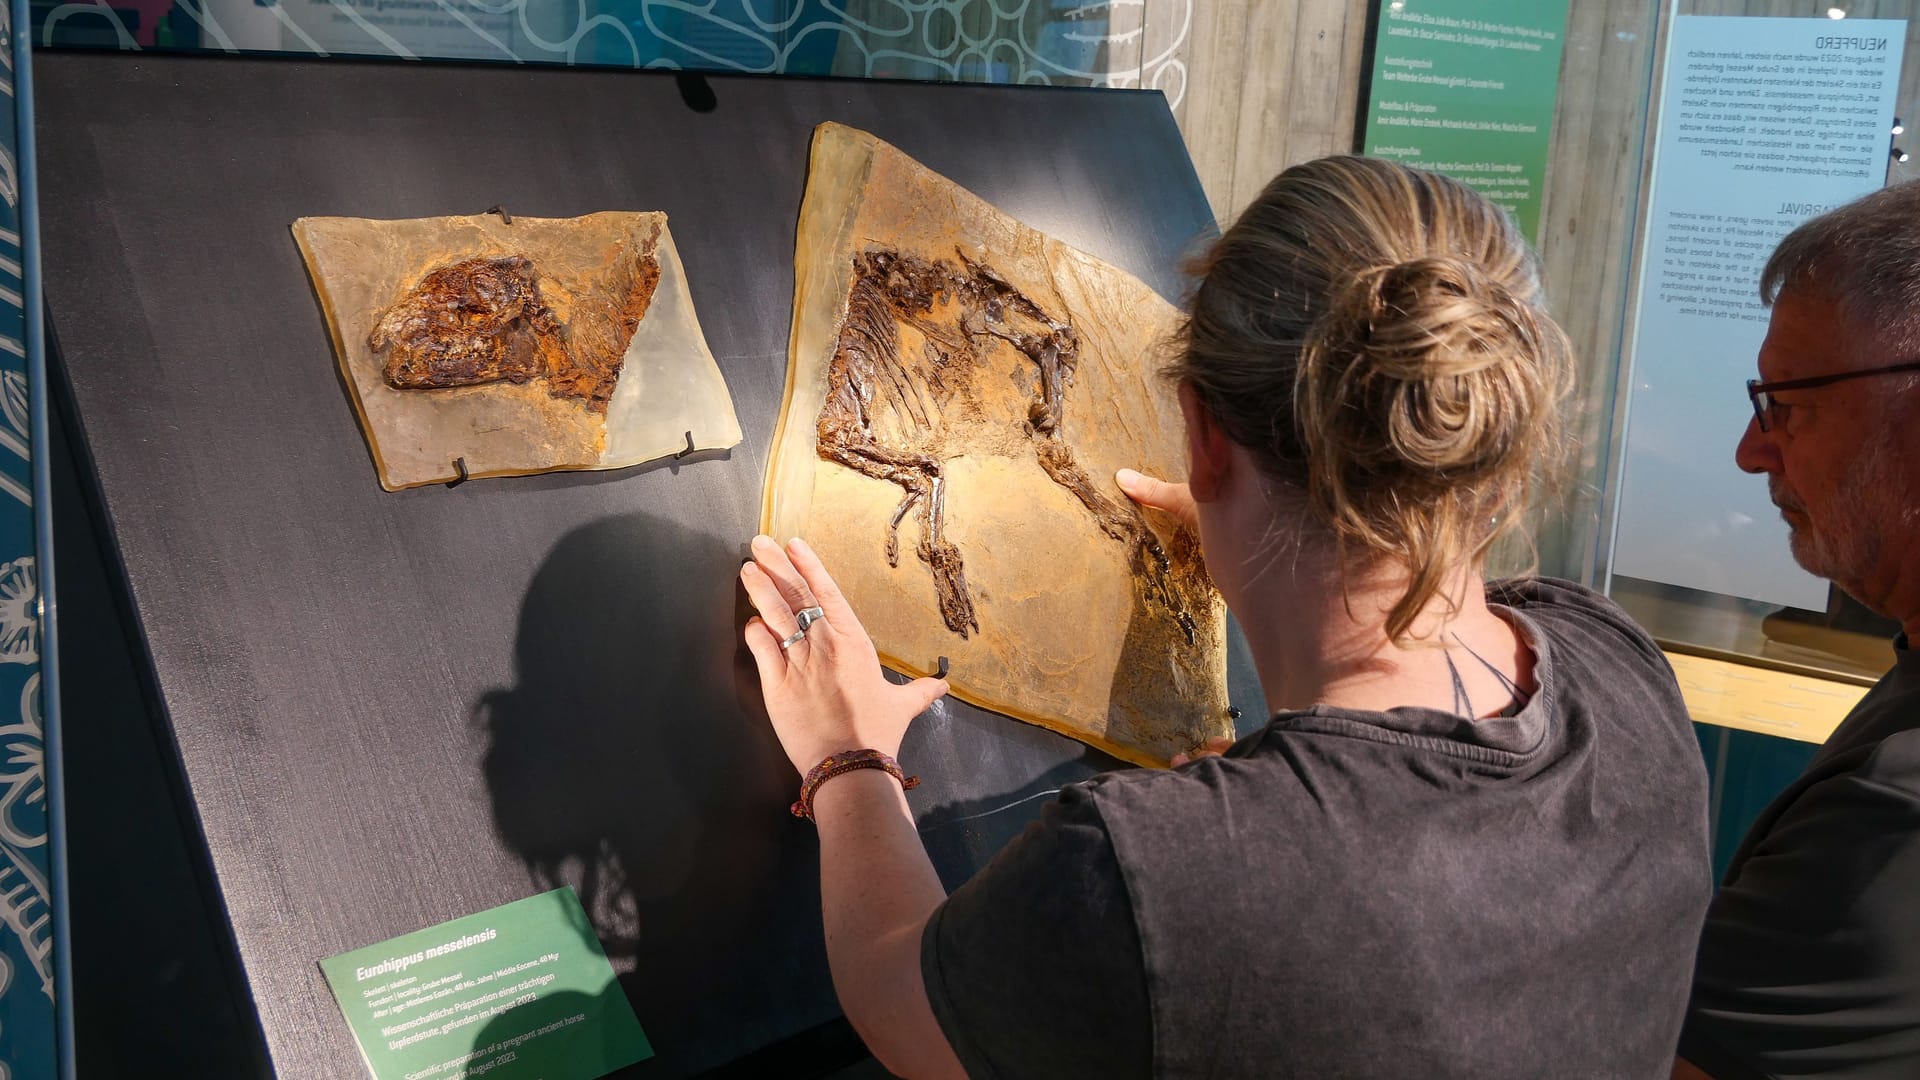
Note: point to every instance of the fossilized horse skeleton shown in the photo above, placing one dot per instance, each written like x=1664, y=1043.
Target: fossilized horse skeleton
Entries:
x=885, y=413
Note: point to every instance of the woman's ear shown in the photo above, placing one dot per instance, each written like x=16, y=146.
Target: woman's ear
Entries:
x=1209, y=451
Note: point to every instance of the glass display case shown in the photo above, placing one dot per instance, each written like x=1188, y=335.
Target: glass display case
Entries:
x=1687, y=139
x=1052, y=43
x=1695, y=550
x=1653, y=511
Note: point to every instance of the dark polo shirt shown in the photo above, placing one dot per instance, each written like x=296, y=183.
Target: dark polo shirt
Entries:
x=1810, y=961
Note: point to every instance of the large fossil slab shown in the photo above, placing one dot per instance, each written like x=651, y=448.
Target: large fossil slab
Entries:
x=960, y=391
x=478, y=347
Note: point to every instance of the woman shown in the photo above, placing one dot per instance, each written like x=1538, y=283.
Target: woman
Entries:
x=1470, y=842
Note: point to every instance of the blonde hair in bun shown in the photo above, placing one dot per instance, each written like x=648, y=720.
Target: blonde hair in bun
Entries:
x=1373, y=333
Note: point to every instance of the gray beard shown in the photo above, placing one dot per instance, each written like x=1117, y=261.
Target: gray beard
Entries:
x=1870, y=503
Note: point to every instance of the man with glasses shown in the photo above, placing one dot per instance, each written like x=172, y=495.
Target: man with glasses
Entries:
x=1809, y=964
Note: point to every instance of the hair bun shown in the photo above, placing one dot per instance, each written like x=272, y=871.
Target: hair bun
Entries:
x=1373, y=335
x=1420, y=372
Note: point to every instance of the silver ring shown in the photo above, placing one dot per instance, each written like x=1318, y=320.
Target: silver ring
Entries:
x=805, y=617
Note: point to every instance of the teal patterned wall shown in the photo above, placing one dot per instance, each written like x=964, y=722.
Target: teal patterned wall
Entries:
x=27, y=925
x=1066, y=42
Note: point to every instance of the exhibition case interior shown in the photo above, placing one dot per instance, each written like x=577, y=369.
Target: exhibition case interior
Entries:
x=1763, y=115
x=418, y=369
x=403, y=697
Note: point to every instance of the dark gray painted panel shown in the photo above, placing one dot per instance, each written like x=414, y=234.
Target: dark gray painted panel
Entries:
x=393, y=709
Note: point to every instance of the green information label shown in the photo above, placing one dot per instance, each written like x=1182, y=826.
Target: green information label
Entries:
x=521, y=991
x=1467, y=88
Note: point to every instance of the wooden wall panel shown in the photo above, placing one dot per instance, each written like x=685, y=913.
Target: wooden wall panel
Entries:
x=1218, y=77
x=1269, y=83
x=1257, y=85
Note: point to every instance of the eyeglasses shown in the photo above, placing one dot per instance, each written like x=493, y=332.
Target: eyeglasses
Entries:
x=1761, y=393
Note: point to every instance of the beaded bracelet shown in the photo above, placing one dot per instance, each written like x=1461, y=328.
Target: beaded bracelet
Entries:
x=846, y=762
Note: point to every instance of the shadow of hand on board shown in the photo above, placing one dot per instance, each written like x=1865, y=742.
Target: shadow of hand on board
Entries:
x=633, y=761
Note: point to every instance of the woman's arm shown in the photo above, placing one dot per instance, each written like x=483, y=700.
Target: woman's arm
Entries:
x=877, y=890
x=825, y=694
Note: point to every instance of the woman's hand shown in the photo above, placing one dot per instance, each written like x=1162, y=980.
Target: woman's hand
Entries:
x=1213, y=747
x=1175, y=499
x=825, y=692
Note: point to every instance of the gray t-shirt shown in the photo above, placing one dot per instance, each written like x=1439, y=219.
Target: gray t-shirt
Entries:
x=1346, y=893
x=1810, y=960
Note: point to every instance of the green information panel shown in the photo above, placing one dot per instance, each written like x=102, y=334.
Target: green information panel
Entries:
x=1467, y=88
x=521, y=991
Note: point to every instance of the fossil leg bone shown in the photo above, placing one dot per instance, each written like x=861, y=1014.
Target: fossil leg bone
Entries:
x=890, y=289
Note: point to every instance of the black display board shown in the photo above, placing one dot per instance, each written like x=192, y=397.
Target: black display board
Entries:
x=394, y=709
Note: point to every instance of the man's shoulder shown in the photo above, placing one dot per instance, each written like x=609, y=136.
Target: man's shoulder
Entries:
x=1879, y=741
x=1810, y=958
x=1893, y=760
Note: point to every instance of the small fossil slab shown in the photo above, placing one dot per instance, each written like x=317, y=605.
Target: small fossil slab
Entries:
x=474, y=347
